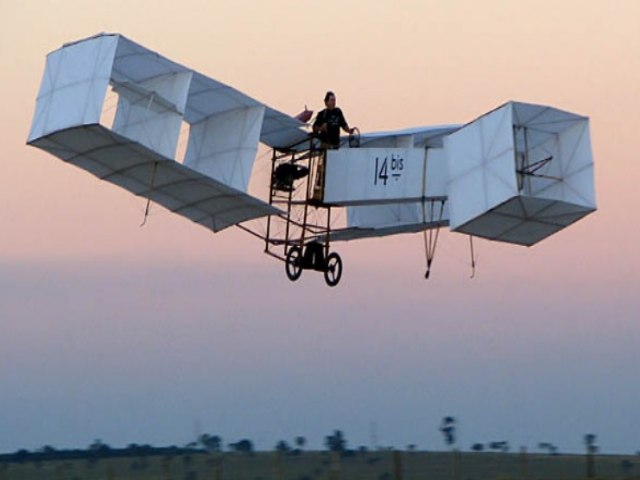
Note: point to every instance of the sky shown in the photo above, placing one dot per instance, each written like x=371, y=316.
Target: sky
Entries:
x=154, y=335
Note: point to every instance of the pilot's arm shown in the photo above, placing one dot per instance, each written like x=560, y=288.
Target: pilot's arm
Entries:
x=344, y=124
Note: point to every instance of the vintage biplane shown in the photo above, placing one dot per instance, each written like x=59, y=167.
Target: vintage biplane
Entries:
x=516, y=174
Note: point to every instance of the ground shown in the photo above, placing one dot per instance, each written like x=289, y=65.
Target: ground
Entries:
x=379, y=465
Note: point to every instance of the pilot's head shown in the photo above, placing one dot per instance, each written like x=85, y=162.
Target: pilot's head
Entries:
x=330, y=100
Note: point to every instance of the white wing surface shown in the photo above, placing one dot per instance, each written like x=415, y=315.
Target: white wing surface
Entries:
x=156, y=98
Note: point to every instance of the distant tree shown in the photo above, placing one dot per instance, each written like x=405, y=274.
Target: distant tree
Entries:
x=336, y=442
x=477, y=447
x=47, y=452
x=300, y=442
x=244, y=446
x=21, y=455
x=211, y=443
x=99, y=447
x=501, y=446
x=591, y=448
x=590, y=443
x=283, y=447
x=548, y=447
x=141, y=450
x=448, y=429
x=411, y=447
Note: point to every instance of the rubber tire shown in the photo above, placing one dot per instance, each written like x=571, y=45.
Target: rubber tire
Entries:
x=333, y=273
x=293, y=263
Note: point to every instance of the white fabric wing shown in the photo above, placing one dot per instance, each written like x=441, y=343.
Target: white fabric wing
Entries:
x=156, y=99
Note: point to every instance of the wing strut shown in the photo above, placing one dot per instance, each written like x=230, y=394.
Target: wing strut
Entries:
x=148, y=207
x=431, y=235
x=473, y=257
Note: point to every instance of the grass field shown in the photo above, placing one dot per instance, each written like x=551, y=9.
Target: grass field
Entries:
x=325, y=466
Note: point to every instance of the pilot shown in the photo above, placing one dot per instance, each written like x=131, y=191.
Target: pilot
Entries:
x=328, y=123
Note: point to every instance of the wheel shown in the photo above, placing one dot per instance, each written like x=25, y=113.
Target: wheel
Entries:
x=293, y=263
x=333, y=271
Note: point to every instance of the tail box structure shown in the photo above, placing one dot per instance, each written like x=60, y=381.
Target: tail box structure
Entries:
x=520, y=173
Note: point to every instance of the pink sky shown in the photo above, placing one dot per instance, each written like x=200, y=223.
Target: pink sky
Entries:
x=81, y=283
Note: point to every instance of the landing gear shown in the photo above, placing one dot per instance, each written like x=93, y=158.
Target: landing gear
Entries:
x=303, y=239
x=293, y=263
x=333, y=269
x=313, y=259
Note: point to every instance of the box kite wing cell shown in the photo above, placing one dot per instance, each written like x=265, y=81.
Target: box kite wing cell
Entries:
x=155, y=98
x=520, y=173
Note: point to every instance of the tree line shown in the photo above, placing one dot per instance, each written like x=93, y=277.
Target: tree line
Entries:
x=334, y=442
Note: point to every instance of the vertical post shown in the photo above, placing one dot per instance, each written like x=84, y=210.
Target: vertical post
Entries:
x=110, y=473
x=311, y=177
x=526, y=158
x=273, y=167
x=519, y=176
x=334, y=473
x=373, y=432
x=397, y=465
x=288, y=226
x=455, y=464
x=327, y=238
x=149, y=474
x=306, y=203
x=218, y=468
x=166, y=468
x=590, y=444
x=523, y=464
x=318, y=187
x=278, y=467
x=591, y=467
